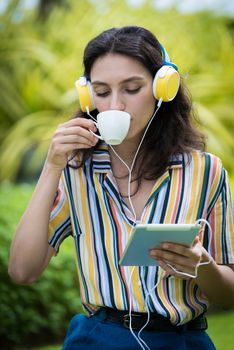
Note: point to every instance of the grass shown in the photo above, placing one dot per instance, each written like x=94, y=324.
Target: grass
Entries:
x=220, y=330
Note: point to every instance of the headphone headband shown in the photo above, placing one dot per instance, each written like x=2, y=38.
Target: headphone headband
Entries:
x=166, y=58
x=165, y=84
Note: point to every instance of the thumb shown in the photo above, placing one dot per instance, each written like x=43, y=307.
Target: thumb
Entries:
x=196, y=241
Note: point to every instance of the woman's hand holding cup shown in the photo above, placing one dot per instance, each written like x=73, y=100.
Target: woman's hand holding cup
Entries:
x=70, y=136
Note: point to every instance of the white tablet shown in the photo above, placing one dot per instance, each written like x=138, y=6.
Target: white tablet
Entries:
x=145, y=237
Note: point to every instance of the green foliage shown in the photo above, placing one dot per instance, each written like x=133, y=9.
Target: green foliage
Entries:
x=221, y=329
x=38, y=313
x=40, y=60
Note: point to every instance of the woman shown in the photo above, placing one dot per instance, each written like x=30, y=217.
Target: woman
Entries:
x=97, y=192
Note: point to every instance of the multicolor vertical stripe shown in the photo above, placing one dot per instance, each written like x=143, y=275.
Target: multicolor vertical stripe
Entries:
x=90, y=207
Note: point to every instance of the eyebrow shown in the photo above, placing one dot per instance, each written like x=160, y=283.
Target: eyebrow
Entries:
x=133, y=78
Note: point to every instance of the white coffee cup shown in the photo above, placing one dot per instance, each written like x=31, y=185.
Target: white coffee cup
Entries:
x=113, y=126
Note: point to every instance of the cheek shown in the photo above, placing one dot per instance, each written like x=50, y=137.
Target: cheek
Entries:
x=146, y=103
x=101, y=105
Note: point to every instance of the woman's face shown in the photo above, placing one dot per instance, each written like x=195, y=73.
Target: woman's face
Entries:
x=123, y=83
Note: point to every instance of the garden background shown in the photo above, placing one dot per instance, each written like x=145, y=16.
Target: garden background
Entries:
x=40, y=58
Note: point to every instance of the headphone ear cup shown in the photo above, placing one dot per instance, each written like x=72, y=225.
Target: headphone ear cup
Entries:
x=166, y=83
x=85, y=94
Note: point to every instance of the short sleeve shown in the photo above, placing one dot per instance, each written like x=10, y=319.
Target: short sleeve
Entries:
x=60, y=222
x=221, y=239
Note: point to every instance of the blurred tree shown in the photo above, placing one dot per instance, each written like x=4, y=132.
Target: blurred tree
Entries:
x=45, y=7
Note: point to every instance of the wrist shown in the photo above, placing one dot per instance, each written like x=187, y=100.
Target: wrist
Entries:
x=52, y=168
x=50, y=171
x=206, y=265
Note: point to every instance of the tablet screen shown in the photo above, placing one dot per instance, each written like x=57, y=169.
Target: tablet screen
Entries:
x=145, y=237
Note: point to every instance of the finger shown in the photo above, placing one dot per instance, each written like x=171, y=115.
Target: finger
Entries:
x=196, y=241
x=165, y=254
x=63, y=144
x=86, y=123
x=179, y=249
x=167, y=268
x=68, y=139
x=173, y=247
x=183, y=268
x=75, y=130
x=174, y=258
x=66, y=149
x=74, y=134
x=177, y=270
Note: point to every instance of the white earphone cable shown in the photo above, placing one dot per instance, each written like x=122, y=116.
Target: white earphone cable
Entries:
x=140, y=341
x=148, y=311
x=134, y=159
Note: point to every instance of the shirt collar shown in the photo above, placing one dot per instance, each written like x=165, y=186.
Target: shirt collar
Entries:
x=101, y=159
x=176, y=161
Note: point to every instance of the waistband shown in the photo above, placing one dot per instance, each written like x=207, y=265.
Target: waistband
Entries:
x=156, y=323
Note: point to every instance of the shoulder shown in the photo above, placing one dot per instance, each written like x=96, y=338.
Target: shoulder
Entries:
x=205, y=160
x=205, y=168
x=197, y=161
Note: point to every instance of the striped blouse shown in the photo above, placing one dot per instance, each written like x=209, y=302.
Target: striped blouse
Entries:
x=89, y=207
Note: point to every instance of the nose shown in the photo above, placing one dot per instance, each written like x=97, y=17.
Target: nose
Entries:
x=116, y=102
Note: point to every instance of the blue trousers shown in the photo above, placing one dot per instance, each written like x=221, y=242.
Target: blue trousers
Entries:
x=94, y=333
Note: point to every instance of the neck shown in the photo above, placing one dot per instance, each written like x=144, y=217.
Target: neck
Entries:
x=125, y=151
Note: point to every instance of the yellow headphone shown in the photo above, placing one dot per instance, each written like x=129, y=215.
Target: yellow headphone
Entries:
x=165, y=85
x=85, y=94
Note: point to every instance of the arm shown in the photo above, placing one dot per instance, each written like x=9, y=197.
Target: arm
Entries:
x=30, y=252
x=217, y=282
x=215, y=279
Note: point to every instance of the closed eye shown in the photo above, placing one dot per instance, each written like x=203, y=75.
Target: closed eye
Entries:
x=133, y=91
x=102, y=94
x=129, y=91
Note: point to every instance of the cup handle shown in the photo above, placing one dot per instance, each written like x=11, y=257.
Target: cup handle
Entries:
x=99, y=137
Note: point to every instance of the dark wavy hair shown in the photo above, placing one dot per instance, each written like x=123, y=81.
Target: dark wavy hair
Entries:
x=172, y=131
